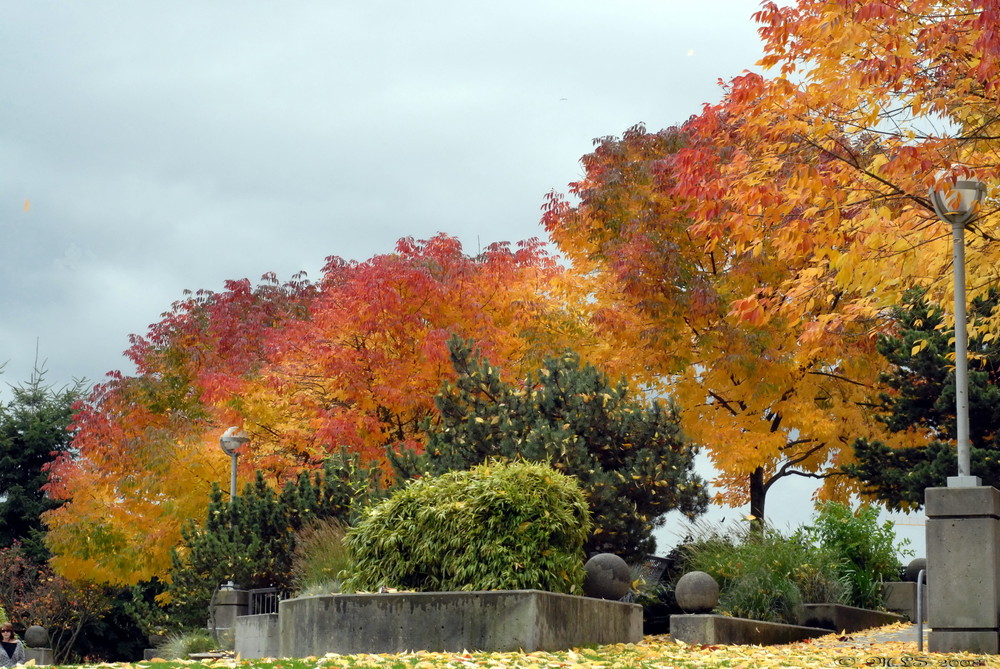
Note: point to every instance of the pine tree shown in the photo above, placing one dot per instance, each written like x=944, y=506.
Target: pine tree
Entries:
x=921, y=398
x=250, y=540
x=630, y=458
x=34, y=427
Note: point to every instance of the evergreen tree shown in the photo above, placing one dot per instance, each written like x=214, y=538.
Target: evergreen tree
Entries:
x=630, y=458
x=34, y=427
x=921, y=397
x=250, y=540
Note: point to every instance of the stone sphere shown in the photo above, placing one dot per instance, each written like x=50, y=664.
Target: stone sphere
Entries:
x=36, y=636
x=913, y=570
x=697, y=592
x=608, y=577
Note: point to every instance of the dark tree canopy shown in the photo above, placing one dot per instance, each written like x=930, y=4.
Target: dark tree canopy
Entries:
x=251, y=540
x=922, y=396
x=630, y=457
x=34, y=427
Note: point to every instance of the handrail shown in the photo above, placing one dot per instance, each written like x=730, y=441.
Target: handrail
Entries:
x=920, y=610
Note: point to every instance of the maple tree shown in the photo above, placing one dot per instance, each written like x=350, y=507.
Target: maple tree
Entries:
x=146, y=452
x=768, y=396
x=830, y=159
x=363, y=370
x=833, y=154
x=351, y=361
x=795, y=211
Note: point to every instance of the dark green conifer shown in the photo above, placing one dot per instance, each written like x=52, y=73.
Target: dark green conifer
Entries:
x=630, y=457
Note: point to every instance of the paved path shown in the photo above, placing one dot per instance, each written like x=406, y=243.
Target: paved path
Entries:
x=890, y=636
x=894, y=633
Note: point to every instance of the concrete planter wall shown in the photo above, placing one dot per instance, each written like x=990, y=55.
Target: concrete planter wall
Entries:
x=257, y=636
x=901, y=597
x=838, y=617
x=711, y=629
x=519, y=620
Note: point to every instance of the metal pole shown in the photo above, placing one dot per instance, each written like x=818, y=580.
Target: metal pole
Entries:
x=920, y=611
x=961, y=352
x=232, y=481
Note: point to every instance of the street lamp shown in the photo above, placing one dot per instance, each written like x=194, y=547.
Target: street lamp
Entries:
x=956, y=197
x=230, y=442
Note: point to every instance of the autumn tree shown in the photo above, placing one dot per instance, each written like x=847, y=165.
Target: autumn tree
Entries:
x=769, y=396
x=818, y=168
x=351, y=361
x=34, y=426
x=823, y=162
x=146, y=451
x=363, y=370
x=835, y=146
x=631, y=460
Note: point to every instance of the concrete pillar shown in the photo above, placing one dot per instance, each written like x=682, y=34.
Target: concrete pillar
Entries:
x=963, y=557
x=40, y=656
x=229, y=605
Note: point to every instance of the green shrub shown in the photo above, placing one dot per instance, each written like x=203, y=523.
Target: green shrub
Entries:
x=494, y=527
x=866, y=551
x=629, y=457
x=764, y=575
x=320, y=556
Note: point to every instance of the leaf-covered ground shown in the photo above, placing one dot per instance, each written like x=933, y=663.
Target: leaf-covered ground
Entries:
x=875, y=648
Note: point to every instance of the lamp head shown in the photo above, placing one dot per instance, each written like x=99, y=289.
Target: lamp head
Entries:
x=956, y=194
x=232, y=439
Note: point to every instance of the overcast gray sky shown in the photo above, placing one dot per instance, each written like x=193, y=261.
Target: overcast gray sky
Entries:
x=148, y=148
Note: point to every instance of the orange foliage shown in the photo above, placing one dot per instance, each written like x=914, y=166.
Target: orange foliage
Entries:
x=770, y=393
x=305, y=369
x=758, y=247
x=832, y=157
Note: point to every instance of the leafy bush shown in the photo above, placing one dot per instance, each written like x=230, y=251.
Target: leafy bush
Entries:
x=320, y=556
x=866, y=551
x=764, y=575
x=494, y=527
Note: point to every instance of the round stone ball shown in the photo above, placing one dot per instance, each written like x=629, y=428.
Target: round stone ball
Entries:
x=913, y=570
x=697, y=592
x=608, y=577
x=36, y=636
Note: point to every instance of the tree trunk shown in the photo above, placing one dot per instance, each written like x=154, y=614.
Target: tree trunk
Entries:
x=758, y=494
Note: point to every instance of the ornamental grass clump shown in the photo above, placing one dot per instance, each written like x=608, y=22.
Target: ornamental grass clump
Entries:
x=764, y=575
x=498, y=526
x=320, y=556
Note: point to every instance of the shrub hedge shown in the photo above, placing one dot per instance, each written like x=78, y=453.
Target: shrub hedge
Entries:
x=498, y=526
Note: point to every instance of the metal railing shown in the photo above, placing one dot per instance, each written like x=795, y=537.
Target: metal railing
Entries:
x=264, y=600
x=647, y=573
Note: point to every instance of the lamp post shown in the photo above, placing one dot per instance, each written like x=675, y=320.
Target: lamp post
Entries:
x=230, y=442
x=956, y=198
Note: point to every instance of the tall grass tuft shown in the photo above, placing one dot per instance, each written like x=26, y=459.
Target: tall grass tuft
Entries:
x=764, y=575
x=320, y=557
x=178, y=646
